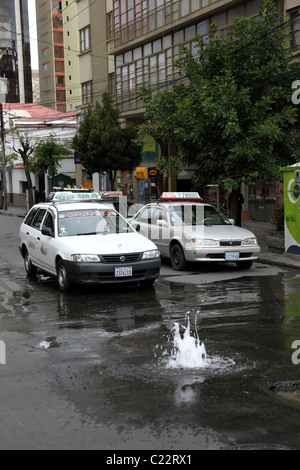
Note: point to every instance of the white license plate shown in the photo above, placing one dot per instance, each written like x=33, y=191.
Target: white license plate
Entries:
x=122, y=272
x=232, y=256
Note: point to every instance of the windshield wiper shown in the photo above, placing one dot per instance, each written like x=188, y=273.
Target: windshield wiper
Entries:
x=90, y=233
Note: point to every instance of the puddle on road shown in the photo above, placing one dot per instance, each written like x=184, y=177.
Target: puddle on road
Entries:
x=114, y=348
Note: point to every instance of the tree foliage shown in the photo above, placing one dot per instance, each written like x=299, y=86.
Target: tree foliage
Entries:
x=103, y=145
x=233, y=118
x=48, y=154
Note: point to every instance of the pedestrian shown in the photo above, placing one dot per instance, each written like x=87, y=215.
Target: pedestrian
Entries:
x=37, y=198
x=239, y=201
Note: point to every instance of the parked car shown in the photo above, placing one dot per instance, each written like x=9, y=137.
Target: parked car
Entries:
x=78, y=240
x=187, y=230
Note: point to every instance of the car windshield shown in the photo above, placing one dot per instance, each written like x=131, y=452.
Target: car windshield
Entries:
x=197, y=214
x=91, y=222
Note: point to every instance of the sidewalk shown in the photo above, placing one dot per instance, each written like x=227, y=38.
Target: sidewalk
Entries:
x=260, y=230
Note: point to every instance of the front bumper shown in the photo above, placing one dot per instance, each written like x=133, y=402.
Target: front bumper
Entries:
x=220, y=254
x=104, y=273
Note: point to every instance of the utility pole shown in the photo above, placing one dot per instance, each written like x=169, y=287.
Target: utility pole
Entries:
x=4, y=188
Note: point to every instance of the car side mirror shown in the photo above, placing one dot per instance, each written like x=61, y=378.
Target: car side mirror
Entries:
x=231, y=221
x=161, y=223
x=47, y=232
x=137, y=227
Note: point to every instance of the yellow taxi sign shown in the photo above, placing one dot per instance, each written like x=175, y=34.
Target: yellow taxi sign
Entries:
x=142, y=173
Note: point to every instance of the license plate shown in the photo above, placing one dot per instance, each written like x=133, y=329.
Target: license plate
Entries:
x=123, y=272
x=232, y=256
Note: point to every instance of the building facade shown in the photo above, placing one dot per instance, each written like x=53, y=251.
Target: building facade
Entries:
x=51, y=52
x=15, y=61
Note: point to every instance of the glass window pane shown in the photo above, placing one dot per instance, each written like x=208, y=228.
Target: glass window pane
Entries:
x=167, y=41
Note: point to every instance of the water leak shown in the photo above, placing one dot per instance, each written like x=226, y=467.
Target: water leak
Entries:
x=187, y=352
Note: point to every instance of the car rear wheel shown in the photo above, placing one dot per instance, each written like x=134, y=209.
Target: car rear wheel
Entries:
x=244, y=264
x=29, y=268
x=178, y=260
x=62, y=277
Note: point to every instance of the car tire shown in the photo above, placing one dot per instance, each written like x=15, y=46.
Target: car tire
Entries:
x=29, y=267
x=178, y=260
x=244, y=264
x=63, y=281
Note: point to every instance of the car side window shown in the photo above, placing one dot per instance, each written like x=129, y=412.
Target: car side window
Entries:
x=146, y=216
x=30, y=215
x=49, y=222
x=37, y=221
x=160, y=214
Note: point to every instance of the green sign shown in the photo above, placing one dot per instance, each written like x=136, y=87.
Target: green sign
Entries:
x=291, y=210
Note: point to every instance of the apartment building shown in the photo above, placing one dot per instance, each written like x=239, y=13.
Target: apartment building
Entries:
x=51, y=54
x=15, y=62
x=71, y=41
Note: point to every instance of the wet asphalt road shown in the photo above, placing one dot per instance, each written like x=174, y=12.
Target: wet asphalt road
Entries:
x=91, y=369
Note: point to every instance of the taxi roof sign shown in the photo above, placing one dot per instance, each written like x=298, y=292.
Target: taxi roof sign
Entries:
x=74, y=197
x=109, y=194
x=185, y=196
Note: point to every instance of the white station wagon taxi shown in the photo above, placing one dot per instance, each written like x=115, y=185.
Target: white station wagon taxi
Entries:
x=186, y=229
x=78, y=240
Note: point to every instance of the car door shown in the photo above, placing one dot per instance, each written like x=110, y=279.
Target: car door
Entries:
x=48, y=244
x=33, y=234
x=143, y=220
x=160, y=229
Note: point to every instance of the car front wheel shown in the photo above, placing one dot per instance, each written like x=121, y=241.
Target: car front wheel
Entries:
x=178, y=260
x=62, y=277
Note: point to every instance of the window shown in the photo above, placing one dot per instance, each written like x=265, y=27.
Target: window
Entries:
x=49, y=222
x=294, y=30
x=87, y=92
x=37, y=221
x=30, y=216
x=85, y=39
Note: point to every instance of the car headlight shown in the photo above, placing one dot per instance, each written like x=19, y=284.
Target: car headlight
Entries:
x=249, y=241
x=86, y=258
x=151, y=254
x=204, y=242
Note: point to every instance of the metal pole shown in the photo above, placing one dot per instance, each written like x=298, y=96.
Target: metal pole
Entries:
x=4, y=188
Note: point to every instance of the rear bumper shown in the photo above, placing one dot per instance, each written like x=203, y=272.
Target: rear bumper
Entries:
x=104, y=273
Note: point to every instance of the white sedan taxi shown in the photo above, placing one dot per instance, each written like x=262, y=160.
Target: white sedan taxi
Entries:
x=186, y=229
x=78, y=240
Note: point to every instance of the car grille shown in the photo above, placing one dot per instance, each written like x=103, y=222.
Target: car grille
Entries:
x=122, y=258
x=230, y=243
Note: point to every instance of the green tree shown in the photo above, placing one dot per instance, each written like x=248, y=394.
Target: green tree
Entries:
x=235, y=120
x=103, y=145
x=47, y=156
